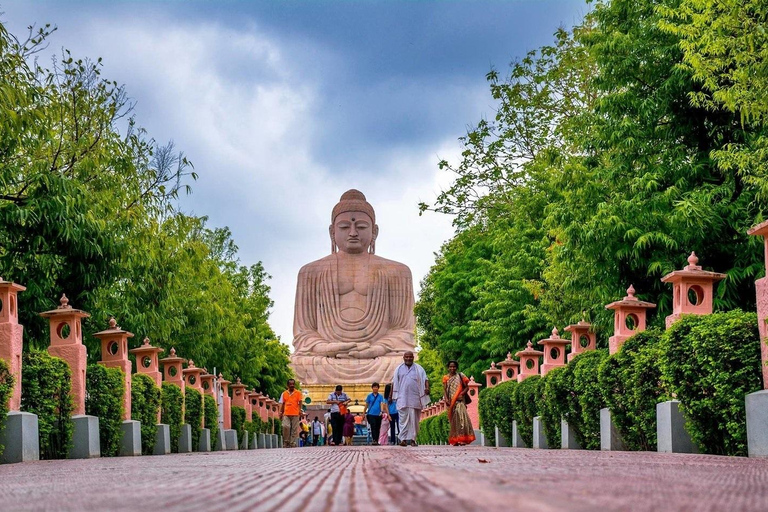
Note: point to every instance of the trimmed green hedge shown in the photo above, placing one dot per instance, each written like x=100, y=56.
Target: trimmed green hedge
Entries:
x=496, y=410
x=145, y=403
x=238, y=421
x=584, y=415
x=434, y=430
x=193, y=413
x=6, y=388
x=526, y=403
x=277, y=426
x=711, y=363
x=46, y=383
x=104, y=389
x=557, y=401
x=211, y=416
x=172, y=403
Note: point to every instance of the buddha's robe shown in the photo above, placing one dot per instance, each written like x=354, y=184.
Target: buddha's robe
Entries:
x=387, y=321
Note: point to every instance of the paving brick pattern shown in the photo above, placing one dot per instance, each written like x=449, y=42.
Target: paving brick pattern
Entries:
x=391, y=478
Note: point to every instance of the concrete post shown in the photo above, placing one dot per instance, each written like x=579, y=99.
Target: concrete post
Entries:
x=670, y=429
x=610, y=439
x=539, y=436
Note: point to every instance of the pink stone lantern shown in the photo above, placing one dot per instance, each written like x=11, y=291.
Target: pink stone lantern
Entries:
x=114, y=354
x=192, y=376
x=251, y=404
x=263, y=413
x=529, y=362
x=628, y=319
x=11, y=337
x=510, y=368
x=692, y=290
x=239, y=394
x=207, y=383
x=582, y=338
x=492, y=376
x=554, y=351
x=227, y=402
x=172, y=369
x=761, y=288
x=147, y=361
x=472, y=409
x=67, y=344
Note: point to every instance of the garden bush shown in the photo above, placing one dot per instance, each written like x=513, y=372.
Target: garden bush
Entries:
x=557, y=402
x=145, y=403
x=193, y=413
x=104, y=389
x=277, y=426
x=6, y=388
x=46, y=383
x=584, y=415
x=211, y=416
x=238, y=421
x=630, y=382
x=526, y=404
x=710, y=363
x=172, y=414
x=434, y=430
x=495, y=405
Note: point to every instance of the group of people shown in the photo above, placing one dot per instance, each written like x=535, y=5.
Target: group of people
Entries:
x=393, y=417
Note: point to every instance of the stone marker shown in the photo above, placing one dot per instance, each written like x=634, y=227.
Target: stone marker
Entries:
x=130, y=442
x=278, y=441
x=539, y=436
x=20, y=438
x=670, y=429
x=501, y=441
x=757, y=423
x=261, y=441
x=163, y=440
x=244, y=442
x=220, y=443
x=254, y=443
x=568, y=437
x=205, y=440
x=610, y=439
x=231, y=438
x=185, y=439
x=517, y=439
x=85, y=437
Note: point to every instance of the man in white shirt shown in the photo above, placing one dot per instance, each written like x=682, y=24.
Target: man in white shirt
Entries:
x=410, y=387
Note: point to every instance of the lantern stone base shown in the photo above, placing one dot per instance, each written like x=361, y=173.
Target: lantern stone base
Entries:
x=610, y=439
x=162, y=440
x=130, y=442
x=254, y=441
x=568, y=437
x=501, y=441
x=21, y=438
x=757, y=423
x=262, y=441
x=517, y=440
x=85, y=438
x=231, y=437
x=539, y=437
x=220, y=443
x=670, y=429
x=205, y=440
x=185, y=440
x=244, y=441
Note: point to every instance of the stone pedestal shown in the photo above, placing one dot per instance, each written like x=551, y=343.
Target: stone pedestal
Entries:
x=230, y=437
x=568, y=437
x=85, y=438
x=757, y=423
x=11, y=337
x=670, y=429
x=220, y=443
x=130, y=442
x=254, y=442
x=610, y=439
x=277, y=442
x=517, y=440
x=205, y=440
x=20, y=437
x=539, y=437
x=262, y=441
x=162, y=440
x=244, y=442
x=185, y=439
x=501, y=441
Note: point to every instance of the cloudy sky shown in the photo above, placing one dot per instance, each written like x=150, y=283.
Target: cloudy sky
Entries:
x=282, y=106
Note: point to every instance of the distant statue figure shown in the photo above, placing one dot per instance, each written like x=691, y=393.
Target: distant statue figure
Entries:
x=353, y=316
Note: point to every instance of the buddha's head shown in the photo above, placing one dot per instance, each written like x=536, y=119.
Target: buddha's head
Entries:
x=353, y=226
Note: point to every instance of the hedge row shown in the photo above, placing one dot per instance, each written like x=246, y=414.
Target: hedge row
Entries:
x=172, y=414
x=145, y=404
x=434, y=430
x=709, y=363
x=211, y=416
x=104, y=391
x=193, y=413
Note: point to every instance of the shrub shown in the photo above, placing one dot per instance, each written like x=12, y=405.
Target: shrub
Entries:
x=46, y=383
x=557, y=402
x=526, y=404
x=496, y=408
x=711, y=362
x=211, y=416
x=584, y=415
x=238, y=421
x=193, y=413
x=6, y=388
x=630, y=382
x=104, y=389
x=434, y=430
x=145, y=403
x=277, y=426
x=172, y=412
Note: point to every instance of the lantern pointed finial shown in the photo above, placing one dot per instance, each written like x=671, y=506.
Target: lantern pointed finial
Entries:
x=693, y=262
x=631, y=292
x=146, y=340
x=64, y=301
x=555, y=332
x=112, y=323
x=173, y=352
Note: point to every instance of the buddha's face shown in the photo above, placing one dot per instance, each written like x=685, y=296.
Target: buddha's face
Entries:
x=353, y=232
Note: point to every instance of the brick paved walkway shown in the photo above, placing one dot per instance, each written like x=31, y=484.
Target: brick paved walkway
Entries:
x=391, y=478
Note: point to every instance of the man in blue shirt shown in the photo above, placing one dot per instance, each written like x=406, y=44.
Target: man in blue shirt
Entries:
x=373, y=404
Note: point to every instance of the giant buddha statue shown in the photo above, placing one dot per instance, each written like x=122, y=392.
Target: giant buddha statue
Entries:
x=353, y=316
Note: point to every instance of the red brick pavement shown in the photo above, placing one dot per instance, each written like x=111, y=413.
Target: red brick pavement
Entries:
x=391, y=478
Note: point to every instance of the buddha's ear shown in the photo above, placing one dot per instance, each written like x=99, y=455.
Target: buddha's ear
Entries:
x=372, y=248
x=333, y=239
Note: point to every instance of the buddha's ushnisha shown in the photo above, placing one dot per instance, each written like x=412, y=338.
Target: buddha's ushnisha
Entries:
x=353, y=317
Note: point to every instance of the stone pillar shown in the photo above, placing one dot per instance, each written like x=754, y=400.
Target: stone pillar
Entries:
x=568, y=439
x=172, y=372
x=554, y=351
x=610, y=439
x=529, y=362
x=147, y=362
x=492, y=376
x=239, y=394
x=67, y=344
x=11, y=337
x=671, y=436
x=692, y=290
x=761, y=288
x=192, y=376
x=227, y=402
x=472, y=409
x=208, y=384
x=539, y=436
x=510, y=368
x=114, y=354
x=628, y=318
x=582, y=338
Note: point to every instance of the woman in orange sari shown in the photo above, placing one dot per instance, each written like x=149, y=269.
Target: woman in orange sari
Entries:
x=455, y=388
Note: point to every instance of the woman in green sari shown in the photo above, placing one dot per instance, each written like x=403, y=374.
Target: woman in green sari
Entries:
x=455, y=387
